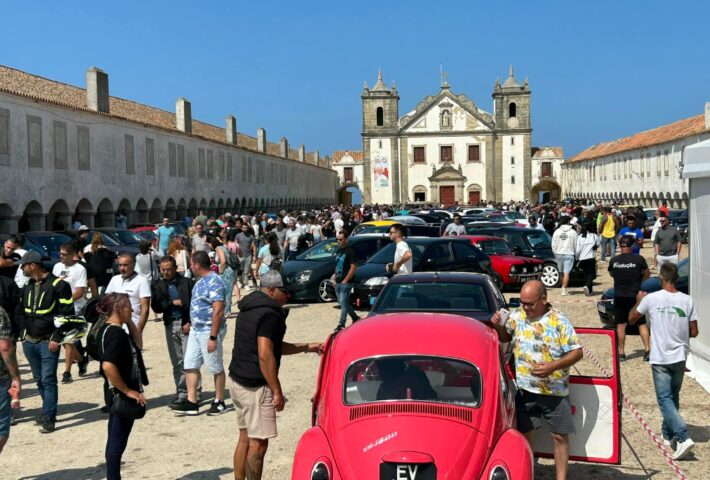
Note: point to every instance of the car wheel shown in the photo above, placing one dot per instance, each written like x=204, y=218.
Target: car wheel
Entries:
x=323, y=291
x=498, y=282
x=550, y=275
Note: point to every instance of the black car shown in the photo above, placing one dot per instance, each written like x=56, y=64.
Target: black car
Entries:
x=469, y=294
x=449, y=254
x=46, y=244
x=308, y=276
x=409, y=230
x=111, y=241
x=605, y=305
x=530, y=242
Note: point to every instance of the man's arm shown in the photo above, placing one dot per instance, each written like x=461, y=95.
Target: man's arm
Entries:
x=293, y=348
x=680, y=244
x=634, y=314
x=645, y=274
x=267, y=365
x=694, y=329
x=351, y=273
x=503, y=334
x=145, y=309
x=567, y=360
x=9, y=356
x=405, y=258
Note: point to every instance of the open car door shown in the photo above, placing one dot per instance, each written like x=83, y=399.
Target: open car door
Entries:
x=596, y=403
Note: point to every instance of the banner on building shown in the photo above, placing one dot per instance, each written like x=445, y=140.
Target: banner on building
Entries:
x=381, y=171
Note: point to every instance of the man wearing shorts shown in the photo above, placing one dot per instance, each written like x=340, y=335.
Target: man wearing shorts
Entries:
x=545, y=346
x=207, y=331
x=254, y=371
x=564, y=242
x=628, y=271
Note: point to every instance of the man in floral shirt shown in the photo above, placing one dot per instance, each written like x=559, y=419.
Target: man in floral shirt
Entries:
x=545, y=345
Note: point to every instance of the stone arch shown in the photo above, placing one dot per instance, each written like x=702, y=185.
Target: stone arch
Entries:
x=142, y=211
x=420, y=193
x=262, y=204
x=250, y=204
x=243, y=206
x=59, y=211
x=228, y=205
x=636, y=196
x=156, y=211
x=84, y=212
x=170, y=209
x=474, y=193
x=212, y=208
x=181, y=209
x=220, y=207
x=32, y=217
x=7, y=222
x=104, y=214
x=203, y=206
x=192, y=207
x=125, y=207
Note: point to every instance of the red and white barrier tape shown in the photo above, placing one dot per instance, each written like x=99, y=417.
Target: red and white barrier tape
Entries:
x=583, y=300
x=652, y=435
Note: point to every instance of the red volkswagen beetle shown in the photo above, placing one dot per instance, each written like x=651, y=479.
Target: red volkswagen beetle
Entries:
x=392, y=403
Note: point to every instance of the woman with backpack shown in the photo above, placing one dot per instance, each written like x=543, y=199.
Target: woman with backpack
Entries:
x=123, y=369
x=270, y=256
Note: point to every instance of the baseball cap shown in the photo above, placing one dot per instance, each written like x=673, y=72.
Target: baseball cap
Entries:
x=83, y=228
x=272, y=278
x=627, y=241
x=31, y=257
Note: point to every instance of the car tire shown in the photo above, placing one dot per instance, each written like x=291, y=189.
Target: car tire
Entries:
x=551, y=275
x=322, y=294
x=498, y=282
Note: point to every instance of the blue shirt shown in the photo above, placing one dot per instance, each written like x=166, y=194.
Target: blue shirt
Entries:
x=165, y=234
x=207, y=290
x=632, y=232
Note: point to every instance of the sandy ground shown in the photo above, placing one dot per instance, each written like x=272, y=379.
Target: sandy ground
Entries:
x=163, y=446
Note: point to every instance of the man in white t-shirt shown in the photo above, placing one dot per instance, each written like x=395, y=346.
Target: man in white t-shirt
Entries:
x=673, y=320
x=402, y=253
x=338, y=225
x=136, y=286
x=74, y=273
x=455, y=228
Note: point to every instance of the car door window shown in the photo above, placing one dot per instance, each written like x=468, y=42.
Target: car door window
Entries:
x=364, y=250
x=466, y=254
x=438, y=255
x=515, y=241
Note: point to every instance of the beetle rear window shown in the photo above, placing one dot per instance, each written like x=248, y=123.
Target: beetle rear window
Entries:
x=413, y=378
x=438, y=297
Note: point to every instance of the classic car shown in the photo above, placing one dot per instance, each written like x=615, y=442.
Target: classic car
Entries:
x=308, y=276
x=513, y=270
x=448, y=254
x=392, y=403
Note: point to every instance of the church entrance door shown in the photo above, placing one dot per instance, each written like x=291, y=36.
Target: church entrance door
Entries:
x=447, y=195
x=474, y=198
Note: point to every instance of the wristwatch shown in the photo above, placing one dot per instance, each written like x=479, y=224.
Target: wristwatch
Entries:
x=212, y=337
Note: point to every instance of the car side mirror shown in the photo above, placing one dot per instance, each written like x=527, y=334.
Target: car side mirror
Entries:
x=513, y=302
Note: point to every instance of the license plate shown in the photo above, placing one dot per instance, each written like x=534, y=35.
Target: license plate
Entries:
x=601, y=308
x=407, y=471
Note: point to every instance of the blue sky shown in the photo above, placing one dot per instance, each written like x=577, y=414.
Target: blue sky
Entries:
x=598, y=70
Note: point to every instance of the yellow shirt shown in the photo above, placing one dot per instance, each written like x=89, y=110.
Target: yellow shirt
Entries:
x=609, y=230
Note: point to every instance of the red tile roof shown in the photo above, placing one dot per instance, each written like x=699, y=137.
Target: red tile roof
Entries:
x=663, y=134
x=339, y=154
x=49, y=91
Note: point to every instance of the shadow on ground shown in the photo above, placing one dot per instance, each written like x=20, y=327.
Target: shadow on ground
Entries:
x=206, y=474
x=88, y=473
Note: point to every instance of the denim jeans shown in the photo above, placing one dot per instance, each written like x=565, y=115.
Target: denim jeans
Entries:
x=177, y=343
x=44, y=371
x=342, y=291
x=119, y=429
x=604, y=242
x=5, y=409
x=246, y=267
x=667, y=379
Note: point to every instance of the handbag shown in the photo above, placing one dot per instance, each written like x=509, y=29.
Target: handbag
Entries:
x=125, y=407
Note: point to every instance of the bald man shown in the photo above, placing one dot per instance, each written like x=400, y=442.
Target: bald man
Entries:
x=545, y=346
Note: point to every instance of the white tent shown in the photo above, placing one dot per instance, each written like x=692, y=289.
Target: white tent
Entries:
x=696, y=168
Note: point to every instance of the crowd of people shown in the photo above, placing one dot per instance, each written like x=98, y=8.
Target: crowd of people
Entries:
x=189, y=282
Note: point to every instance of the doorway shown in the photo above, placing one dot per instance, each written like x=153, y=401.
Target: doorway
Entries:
x=474, y=198
x=447, y=195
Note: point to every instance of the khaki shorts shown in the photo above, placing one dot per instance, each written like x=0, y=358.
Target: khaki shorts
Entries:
x=255, y=409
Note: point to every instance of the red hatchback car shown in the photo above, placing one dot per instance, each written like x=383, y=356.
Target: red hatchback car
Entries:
x=513, y=270
x=393, y=403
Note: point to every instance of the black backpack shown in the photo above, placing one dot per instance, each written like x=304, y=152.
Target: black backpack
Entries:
x=98, y=325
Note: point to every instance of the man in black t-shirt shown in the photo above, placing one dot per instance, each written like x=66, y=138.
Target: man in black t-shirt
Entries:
x=344, y=272
x=254, y=371
x=628, y=271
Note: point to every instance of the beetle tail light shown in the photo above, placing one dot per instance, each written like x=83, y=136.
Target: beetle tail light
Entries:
x=499, y=473
x=320, y=472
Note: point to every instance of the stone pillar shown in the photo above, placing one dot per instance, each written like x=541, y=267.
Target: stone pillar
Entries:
x=316, y=155
x=231, y=130
x=261, y=140
x=707, y=114
x=97, y=90
x=183, y=115
x=302, y=153
x=284, y=147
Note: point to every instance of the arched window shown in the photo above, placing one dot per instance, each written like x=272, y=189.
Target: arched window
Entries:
x=380, y=116
x=512, y=110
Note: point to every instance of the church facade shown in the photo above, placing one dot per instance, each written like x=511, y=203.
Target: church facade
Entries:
x=447, y=150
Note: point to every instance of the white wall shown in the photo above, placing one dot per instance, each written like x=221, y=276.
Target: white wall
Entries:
x=381, y=156
x=512, y=191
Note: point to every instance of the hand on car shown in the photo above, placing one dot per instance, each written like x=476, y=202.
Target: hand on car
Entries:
x=315, y=348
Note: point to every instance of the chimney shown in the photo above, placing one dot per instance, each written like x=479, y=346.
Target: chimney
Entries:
x=97, y=90
x=261, y=140
x=302, y=153
x=284, y=147
x=183, y=115
x=707, y=115
x=231, y=129
x=317, y=158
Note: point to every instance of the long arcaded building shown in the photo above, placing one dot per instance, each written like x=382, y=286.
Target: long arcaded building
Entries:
x=66, y=150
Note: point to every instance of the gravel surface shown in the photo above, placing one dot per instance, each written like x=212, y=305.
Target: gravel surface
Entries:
x=163, y=446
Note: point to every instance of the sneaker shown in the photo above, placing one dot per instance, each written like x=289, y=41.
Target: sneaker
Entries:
x=646, y=355
x=586, y=291
x=187, y=408
x=48, y=425
x=622, y=357
x=683, y=449
x=670, y=444
x=217, y=408
x=83, y=365
x=177, y=402
x=564, y=292
x=338, y=328
x=67, y=378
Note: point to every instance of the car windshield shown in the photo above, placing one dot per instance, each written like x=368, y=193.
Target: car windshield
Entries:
x=146, y=235
x=126, y=237
x=320, y=252
x=494, y=247
x=538, y=240
x=371, y=229
x=433, y=297
x=514, y=215
x=386, y=255
x=179, y=228
x=674, y=214
x=412, y=378
x=108, y=240
x=51, y=243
